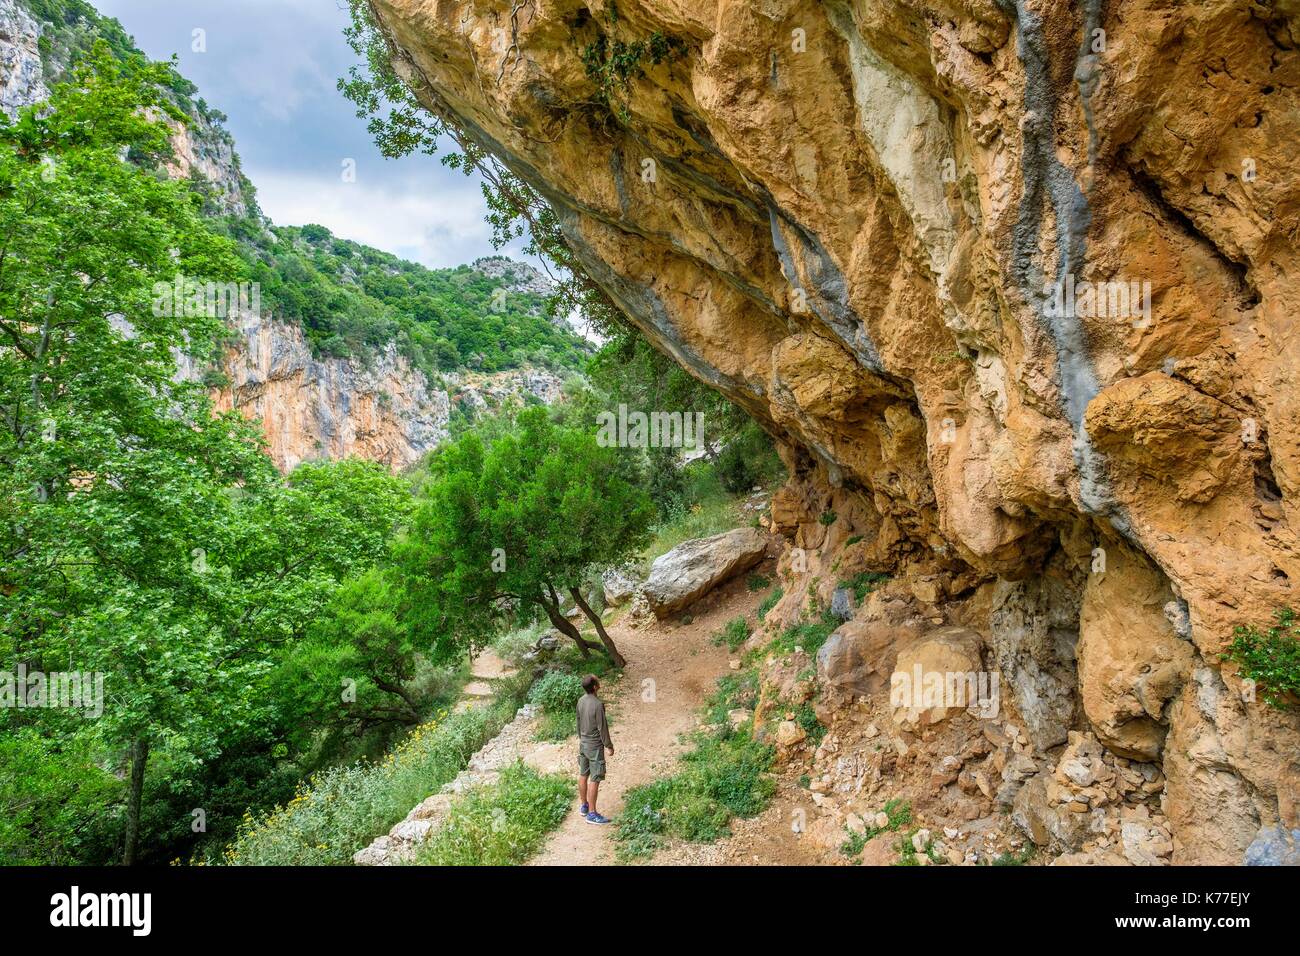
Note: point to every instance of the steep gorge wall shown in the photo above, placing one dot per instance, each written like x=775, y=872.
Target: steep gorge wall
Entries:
x=850, y=217
x=376, y=407
x=312, y=408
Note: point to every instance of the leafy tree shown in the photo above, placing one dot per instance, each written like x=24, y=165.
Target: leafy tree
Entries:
x=142, y=537
x=514, y=524
x=362, y=646
x=52, y=798
x=114, y=474
x=627, y=370
x=400, y=126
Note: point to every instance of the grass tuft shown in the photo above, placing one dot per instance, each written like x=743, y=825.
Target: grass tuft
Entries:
x=735, y=633
x=502, y=824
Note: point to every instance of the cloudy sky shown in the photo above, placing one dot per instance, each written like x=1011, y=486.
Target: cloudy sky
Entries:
x=271, y=66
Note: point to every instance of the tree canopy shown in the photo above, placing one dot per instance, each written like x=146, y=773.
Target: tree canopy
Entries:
x=515, y=525
x=143, y=537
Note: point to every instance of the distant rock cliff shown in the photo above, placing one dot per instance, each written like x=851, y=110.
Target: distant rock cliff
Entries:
x=22, y=76
x=310, y=408
x=380, y=409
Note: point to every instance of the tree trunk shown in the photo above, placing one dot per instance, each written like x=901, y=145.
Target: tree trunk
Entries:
x=565, y=627
x=397, y=690
x=618, y=659
x=139, y=757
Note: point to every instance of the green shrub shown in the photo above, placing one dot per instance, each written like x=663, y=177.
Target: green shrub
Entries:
x=735, y=690
x=756, y=582
x=500, y=825
x=512, y=645
x=1271, y=658
x=712, y=514
x=827, y=517
x=806, y=717
x=898, y=814
x=557, y=694
x=613, y=64
x=810, y=635
x=749, y=460
x=1007, y=858
x=724, y=776
x=907, y=852
x=863, y=584
x=55, y=801
x=770, y=602
x=735, y=633
x=340, y=810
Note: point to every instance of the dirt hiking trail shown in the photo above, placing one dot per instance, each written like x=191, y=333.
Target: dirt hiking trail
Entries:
x=671, y=672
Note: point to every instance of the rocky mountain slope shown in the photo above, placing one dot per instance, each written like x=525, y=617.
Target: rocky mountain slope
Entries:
x=23, y=81
x=1012, y=282
x=330, y=363
x=311, y=407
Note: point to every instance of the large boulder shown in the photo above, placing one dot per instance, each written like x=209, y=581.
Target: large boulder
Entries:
x=618, y=587
x=938, y=674
x=1132, y=662
x=1062, y=827
x=859, y=656
x=1274, y=846
x=691, y=570
x=842, y=604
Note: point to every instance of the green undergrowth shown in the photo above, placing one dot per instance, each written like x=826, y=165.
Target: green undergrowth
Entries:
x=724, y=776
x=735, y=633
x=1271, y=658
x=770, y=602
x=908, y=854
x=898, y=813
x=557, y=694
x=810, y=634
x=500, y=825
x=863, y=584
x=1010, y=858
x=339, y=811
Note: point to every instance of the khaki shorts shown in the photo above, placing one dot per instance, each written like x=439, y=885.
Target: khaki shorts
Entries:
x=592, y=765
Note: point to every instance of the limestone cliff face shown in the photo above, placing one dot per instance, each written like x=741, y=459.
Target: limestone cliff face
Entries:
x=203, y=151
x=1012, y=281
x=22, y=79
x=327, y=408
x=378, y=407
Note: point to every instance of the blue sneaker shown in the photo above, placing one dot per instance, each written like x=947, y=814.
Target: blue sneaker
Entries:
x=597, y=819
x=583, y=810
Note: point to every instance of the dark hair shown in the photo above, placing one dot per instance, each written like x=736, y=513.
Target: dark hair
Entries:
x=589, y=683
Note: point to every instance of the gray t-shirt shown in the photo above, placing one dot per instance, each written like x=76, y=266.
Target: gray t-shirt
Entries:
x=593, y=731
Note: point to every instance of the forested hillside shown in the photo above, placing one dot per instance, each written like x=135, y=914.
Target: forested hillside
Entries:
x=352, y=299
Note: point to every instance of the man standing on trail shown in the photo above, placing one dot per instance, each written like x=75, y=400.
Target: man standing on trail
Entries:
x=593, y=741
